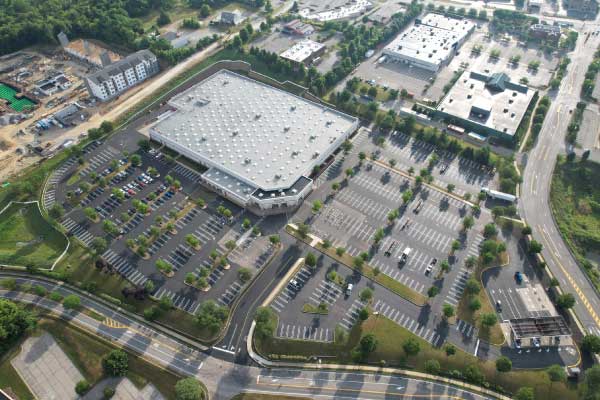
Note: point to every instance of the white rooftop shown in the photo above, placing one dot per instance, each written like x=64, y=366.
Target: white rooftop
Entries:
x=263, y=136
x=355, y=7
x=431, y=40
x=302, y=50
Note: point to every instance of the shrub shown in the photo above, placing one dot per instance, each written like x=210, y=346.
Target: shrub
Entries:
x=116, y=363
x=82, y=387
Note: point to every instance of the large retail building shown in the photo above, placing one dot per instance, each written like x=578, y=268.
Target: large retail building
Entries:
x=431, y=42
x=259, y=143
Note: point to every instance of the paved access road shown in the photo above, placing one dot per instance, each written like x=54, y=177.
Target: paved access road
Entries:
x=537, y=177
x=226, y=379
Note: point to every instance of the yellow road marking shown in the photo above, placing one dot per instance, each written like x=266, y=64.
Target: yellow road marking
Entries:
x=584, y=299
x=113, y=324
x=385, y=393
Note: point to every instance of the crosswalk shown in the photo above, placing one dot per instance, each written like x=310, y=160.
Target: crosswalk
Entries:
x=103, y=157
x=78, y=231
x=187, y=173
x=181, y=302
x=124, y=267
x=396, y=315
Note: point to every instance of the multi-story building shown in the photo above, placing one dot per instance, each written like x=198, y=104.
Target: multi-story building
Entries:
x=304, y=52
x=116, y=78
x=259, y=143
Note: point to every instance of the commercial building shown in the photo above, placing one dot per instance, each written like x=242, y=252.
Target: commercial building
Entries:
x=259, y=143
x=489, y=105
x=540, y=331
x=431, y=42
x=116, y=78
x=231, y=17
x=545, y=31
x=535, y=5
x=350, y=9
x=582, y=8
x=304, y=52
x=297, y=27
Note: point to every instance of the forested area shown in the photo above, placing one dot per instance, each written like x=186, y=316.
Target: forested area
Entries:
x=30, y=22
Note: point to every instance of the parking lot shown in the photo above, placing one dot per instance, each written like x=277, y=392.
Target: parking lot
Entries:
x=427, y=225
x=466, y=175
x=313, y=288
x=172, y=217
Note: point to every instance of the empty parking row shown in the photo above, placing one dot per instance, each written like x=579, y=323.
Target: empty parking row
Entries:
x=187, y=173
x=124, y=267
x=303, y=332
x=182, y=302
x=288, y=293
x=78, y=231
x=103, y=157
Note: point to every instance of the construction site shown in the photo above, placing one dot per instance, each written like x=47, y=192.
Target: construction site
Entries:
x=44, y=102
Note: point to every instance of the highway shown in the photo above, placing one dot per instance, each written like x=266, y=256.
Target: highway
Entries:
x=223, y=378
x=534, y=202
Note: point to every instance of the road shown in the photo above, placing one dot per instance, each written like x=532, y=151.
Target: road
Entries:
x=225, y=379
x=535, y=190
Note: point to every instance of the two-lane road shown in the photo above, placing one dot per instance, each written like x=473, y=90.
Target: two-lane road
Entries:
x=535, y=190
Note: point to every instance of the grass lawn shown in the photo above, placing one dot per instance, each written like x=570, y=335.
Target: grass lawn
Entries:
x=575, y=201
x=390, y=337
x=9, y=378
x=86, y=352
x=494, y=334
x=27, y=238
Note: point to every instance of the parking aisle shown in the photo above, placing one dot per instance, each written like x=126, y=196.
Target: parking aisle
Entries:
x=409, y=323
x=181, y=302
x=303, y=332
x=78, y=231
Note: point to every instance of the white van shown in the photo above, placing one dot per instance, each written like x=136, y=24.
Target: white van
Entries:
x=404, y=255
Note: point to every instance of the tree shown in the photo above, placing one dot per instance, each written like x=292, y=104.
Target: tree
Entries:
x=188, y=389
x=303, y=230
x=367, y=345
x=90, y=213
x=565, y=301
x=526, y=230
x=163, y=19
x=591, y=343
x=472, y=286
x=503, y=364
x=363, y=314
x=339, y=251
x=192, y=240
x=136, y=160
x=411, y=347
x=317, y=205
x=474, y=304
x=524, y=393
x=535, y=247
x=71, y=302
x=82, y=387
x=455, y=245
x=310, y=260
x=488, y=320
x=116, y=363
x=448, y=311
x=265, y=322
x=205, y=10
x=14, y=322
x=490, y=230
x=244, y=274
x=211, y=316
x=468, y=222
x=433, y=291
x=108, y=392
x=274, y=239
x=450, y=350
x=473, y=374
x=591, y=384
x=432, y=367
x=99, y=245
x=56, y=211
x=556, y=373
x=407, y=196
x=144, y=145
x=366, y=294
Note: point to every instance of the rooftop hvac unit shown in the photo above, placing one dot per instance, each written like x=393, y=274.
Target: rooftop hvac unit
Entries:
x=316, y=154
x=286, y=128
x=277, y=176
x=313, y=137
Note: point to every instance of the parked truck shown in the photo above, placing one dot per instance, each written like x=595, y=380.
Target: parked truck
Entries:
x=499, y=195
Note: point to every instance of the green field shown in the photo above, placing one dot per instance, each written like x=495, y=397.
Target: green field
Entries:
x=575, y=201
x=17, y=104
x=390, y=338
x=26, y=238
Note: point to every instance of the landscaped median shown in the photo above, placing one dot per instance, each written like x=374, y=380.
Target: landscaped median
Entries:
x=366, y=270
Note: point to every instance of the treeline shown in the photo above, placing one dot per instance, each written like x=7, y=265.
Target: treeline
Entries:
x=26, y=23
x=166, y=52
x=221, y=3
x=587, y=89
x=512, y=22
x=460, y=12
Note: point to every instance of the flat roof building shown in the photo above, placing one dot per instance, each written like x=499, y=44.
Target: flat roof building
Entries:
x=297, y=27
x=540, y=331
x=118, y=77
x=304, y=52
x=260, y=143
x=486, y=104
x=431, y=42
x=231, y=17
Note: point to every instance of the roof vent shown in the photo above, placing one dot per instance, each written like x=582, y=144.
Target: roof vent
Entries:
x=235, y=133
x=247, y=161
x=286, y=128
x=316, y=154
x=257, y=116
x=277, y=176
x=293, y=108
